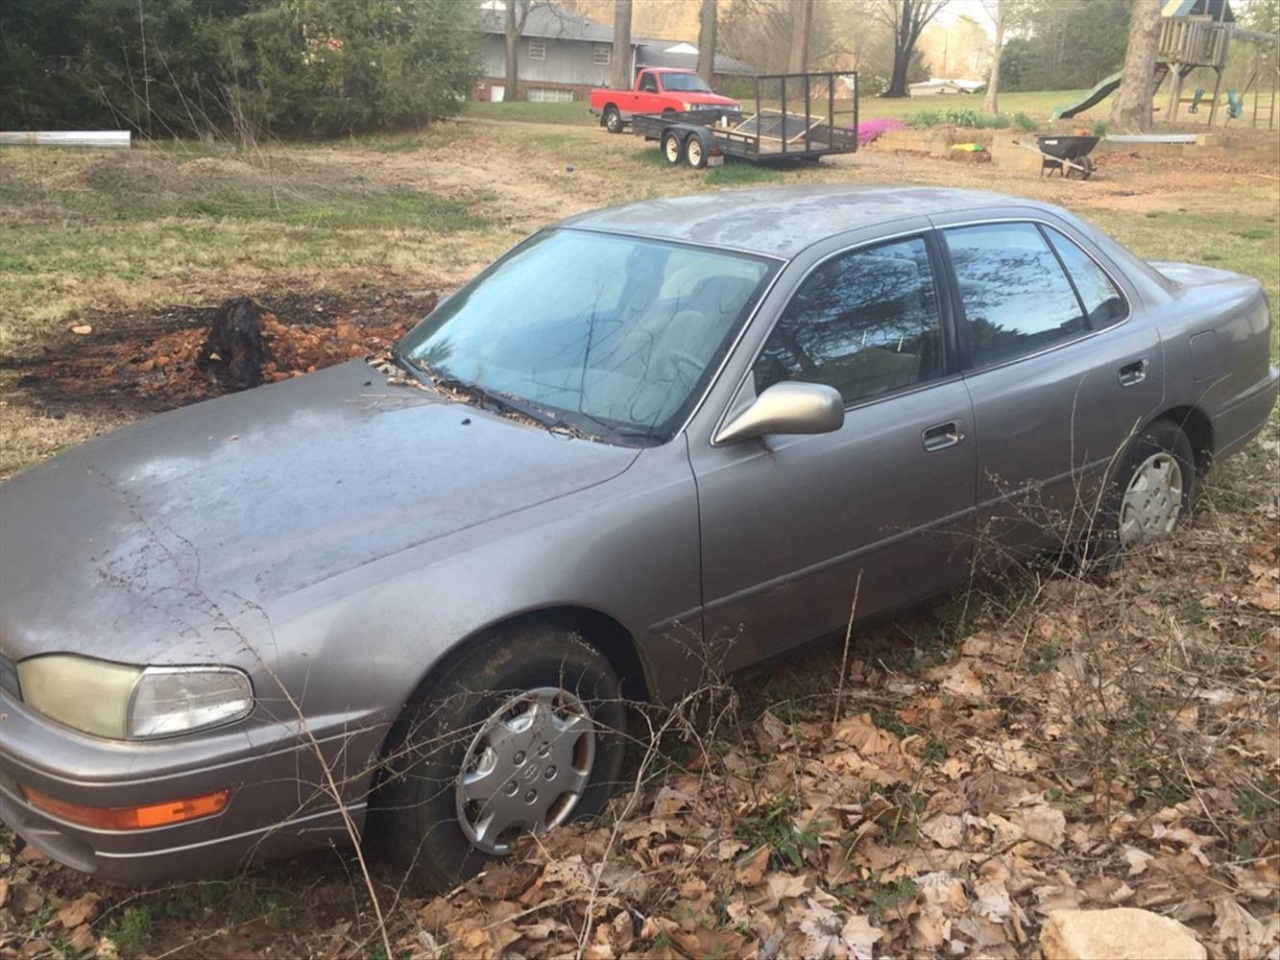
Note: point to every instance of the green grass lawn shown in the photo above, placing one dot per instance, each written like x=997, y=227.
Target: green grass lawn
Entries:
x=576, y=113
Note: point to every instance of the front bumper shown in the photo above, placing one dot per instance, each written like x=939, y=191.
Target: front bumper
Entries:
x=281, y=802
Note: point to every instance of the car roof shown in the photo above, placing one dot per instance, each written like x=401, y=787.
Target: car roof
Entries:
x=782, y=221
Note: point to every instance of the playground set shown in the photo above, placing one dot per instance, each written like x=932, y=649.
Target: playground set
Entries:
x=1200, y=34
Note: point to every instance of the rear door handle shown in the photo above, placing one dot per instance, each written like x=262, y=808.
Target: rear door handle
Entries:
x=942, y=436
x=1132, y=373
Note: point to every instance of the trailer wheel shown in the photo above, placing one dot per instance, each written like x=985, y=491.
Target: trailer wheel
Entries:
x=612, y=119
x=695, y=152
x=671, y=147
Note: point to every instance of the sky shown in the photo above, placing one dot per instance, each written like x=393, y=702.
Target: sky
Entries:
x=970, y=8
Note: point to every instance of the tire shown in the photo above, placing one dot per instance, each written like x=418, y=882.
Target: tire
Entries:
x=1074, y=173
x=522, y=732
x=612, y=120
x=695, y=152
x=672, y=150
x=1151, y=490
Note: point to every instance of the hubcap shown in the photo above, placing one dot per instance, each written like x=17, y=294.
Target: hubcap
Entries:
x=1153, y=501
x=695, y=153
x=526, y=769
x=673, y=149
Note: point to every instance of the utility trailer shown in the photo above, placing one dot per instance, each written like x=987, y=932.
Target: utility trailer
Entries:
x=795, y=129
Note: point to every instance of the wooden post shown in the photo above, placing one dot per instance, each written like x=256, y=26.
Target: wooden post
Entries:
x=1217, y=88
x=1175, y=90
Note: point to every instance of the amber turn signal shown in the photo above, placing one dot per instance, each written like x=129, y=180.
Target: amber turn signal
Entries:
x=131, y=818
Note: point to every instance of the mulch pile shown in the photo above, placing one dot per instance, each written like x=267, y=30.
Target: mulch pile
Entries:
x=159, y=368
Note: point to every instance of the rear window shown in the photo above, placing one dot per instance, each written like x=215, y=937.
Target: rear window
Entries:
x=1017, y=299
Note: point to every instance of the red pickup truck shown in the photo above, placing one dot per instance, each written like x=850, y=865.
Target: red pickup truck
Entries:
x=657, y=90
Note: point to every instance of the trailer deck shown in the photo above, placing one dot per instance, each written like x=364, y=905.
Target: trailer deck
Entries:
x=791, y=130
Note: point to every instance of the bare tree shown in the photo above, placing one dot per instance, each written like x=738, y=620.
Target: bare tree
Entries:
x=517, y=16
x=1007, y=15
x=707, y=41
x=1131, y=109
x=801, y=28
x=907, y=19
x=622, y=44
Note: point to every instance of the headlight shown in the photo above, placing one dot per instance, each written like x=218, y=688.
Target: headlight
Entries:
x=133, y=703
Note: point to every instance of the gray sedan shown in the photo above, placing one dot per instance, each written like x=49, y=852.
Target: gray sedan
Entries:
x=410, y=601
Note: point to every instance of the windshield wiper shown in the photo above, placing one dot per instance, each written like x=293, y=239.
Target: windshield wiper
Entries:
x=511, y=407
x=478, y=396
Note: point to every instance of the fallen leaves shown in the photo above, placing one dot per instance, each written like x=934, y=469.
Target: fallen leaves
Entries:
x=1097, y=752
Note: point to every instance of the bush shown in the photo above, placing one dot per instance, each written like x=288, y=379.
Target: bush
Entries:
x=869, y=130
x=964, y=117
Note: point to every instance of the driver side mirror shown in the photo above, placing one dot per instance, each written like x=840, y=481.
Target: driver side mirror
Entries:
x=788, y=408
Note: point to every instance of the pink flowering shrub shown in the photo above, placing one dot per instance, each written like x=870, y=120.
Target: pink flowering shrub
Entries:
x=869, y=130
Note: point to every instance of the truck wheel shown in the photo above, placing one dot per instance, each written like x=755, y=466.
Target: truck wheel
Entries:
x=671, y=147
x=612, y=120
x=695, y=152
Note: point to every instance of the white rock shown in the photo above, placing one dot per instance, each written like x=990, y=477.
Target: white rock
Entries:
x=1124, y=933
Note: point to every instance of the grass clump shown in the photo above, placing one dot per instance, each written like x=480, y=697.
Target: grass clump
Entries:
x=733, y=174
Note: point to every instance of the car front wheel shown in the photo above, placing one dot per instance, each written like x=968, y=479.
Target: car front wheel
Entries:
x=521, y=733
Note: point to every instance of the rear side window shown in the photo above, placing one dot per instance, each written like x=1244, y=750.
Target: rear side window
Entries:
x=1103, y=303
x=865, y=322
x=1016, y=298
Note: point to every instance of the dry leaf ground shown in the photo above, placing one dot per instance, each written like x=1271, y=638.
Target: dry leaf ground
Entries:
x=1045, y=740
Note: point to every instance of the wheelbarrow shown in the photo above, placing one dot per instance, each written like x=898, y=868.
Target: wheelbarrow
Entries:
x=1069, y=155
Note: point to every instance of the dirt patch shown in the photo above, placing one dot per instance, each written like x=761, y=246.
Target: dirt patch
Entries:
x=147, y=363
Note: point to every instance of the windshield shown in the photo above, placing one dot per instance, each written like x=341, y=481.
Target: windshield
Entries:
x=616, y=336
x=684, y=81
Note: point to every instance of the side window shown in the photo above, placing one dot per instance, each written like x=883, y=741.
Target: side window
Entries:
x=1103, y=303
x=865, y=322
x=1016, y=298
x=648, y=83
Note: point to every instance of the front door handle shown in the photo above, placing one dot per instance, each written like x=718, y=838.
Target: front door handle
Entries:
x=942, y=435
x=1133, y=373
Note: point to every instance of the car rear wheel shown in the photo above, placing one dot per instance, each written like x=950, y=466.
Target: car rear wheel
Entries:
x=522, y=733
x=671, y=150
x=612, y=120
x=1152, y=489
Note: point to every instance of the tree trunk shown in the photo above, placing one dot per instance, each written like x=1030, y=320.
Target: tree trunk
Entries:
x=622, y=78
x=1131, y=110
x=990, y=103
x=898, y=79
x=707, y=41
x=801, y=27
x=514, y=27
x=910, y=17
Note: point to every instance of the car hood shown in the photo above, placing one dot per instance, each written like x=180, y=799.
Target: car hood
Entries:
x=148, y=530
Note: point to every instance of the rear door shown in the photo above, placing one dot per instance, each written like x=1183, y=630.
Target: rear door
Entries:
x=794, y=526
x=1060, y=369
